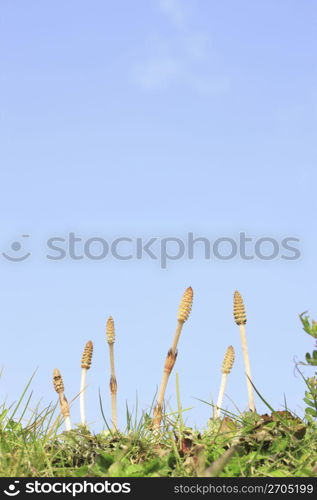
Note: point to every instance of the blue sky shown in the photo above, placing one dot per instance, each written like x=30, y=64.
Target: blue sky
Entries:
x=154, y=119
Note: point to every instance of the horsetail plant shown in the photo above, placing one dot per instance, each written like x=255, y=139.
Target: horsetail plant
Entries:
x=110, y=331
x=85, y=365
x=227, y=365
x=241, y=319
x=59, y=388
x=183, y=314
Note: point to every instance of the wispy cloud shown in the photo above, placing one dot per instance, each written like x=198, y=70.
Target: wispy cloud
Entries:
x=196, y=45
x=174, y=10
x=209, y=85
x=183, y=59
x=157, y=73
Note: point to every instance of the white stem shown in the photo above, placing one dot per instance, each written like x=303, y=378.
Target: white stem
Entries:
x=82, y=396
x=68, y=424
x=164, y=382
x=247, y=367
x=221, y=393
x=114, y=411
x=178, y=332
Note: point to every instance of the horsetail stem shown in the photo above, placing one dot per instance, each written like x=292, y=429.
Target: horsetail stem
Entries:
x=226, y=368
x=110, y=334
x=182, y=316
x=64, y=406
x=241, y=319
x=85, y=365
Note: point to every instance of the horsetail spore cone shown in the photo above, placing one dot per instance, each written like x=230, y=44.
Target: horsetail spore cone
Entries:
x=58, y=381
x=87, y=355
x=228, y=360
x=227, y=364
x=183, y=314
x=241, y=319
x=64, y=406
x=239, y=309
x=85, y=365
x=186, y=305
x=184, y=309
x=110, y=333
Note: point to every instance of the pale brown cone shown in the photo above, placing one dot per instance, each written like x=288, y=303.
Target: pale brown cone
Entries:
x=110, y=330
x=239, y=309
x=228, y=360
x=87, y=355
x=185, y=305
x=58, y=381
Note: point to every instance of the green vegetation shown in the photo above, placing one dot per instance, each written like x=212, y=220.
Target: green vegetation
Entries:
x=276, y=444
x=248, y=445
x=311, y=360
